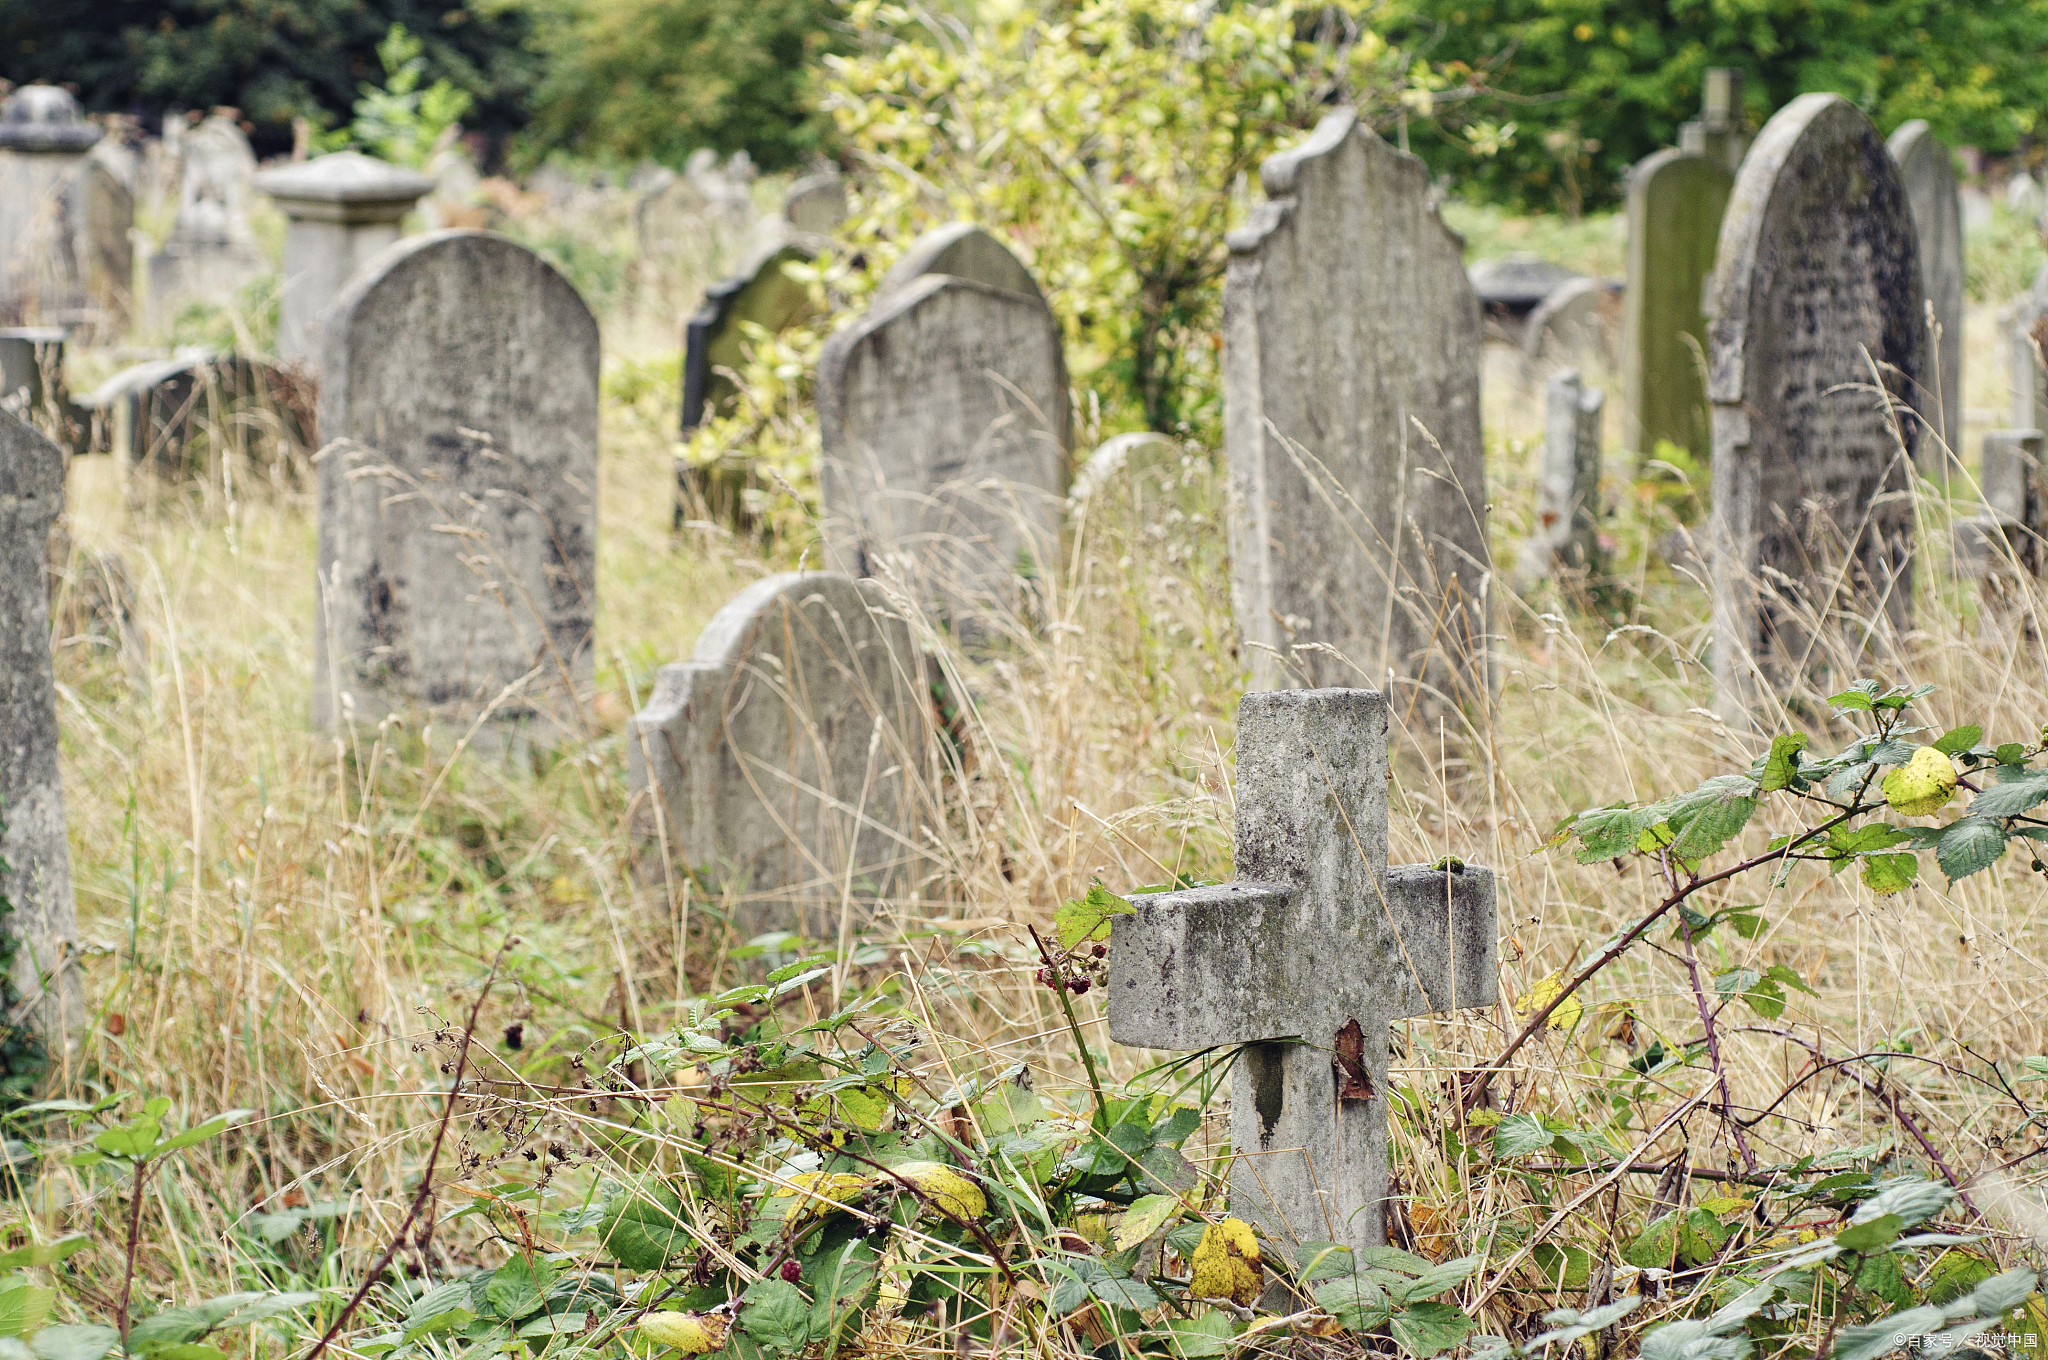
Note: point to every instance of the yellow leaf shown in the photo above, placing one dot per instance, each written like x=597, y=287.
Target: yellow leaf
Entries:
x=819, y=1192
x=1543, y=993
x=1436, y=1233
x=1923, y=784
x=1226, y=1263
x=690, y=1333
x=1724, y=1205
x=1146, y=1216
x=948, y=1191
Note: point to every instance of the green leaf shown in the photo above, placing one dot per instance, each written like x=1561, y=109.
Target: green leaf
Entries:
x=1521, y=1134
x=1436, y=1279
x=642, y=1226
x=518, y=1287
x=2013, y=794
x=134, y=1140
x=1853, y=700
x=1781, y=766
x=1711, y=815
x=1608, y=833
x=1427, y=1329
x=1087, y=918
x=2010, y=753
x=1562, y=1267
x=1969, y=845
x=1325, y=1261
x=212, y=1128
x=1202, y=1336
x=44, y=1253
x=1867, y=1237
x=1890, y=873
x=24, y=1306
x=1779, y=973
x=1147, y=1215
x=774, y=1313
x=1655, y=1246
x=1871, y=1340
x=447, y=1320
x=1998, y=1295
x=74, y=1341
x=1958, y=739
x=1355, y=1301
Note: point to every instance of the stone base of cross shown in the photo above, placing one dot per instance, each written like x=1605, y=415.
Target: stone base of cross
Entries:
x=1307, y=957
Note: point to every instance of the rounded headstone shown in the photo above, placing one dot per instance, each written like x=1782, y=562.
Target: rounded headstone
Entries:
x=816, y=204
x=1929, y=174
x=44, y=118
x=964, y=251
x=1675, y=203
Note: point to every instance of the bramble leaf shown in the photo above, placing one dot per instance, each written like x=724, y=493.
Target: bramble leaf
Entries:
x=1969, y=845
x=1087, y=918
x=2016, y=791
x=1957, y=740
x=1781, y=766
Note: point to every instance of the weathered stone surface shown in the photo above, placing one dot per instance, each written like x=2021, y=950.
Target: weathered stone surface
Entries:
x=816, y=204
x=1720, y=133
x=1929, y=175
x=943, y=413
x=65, y=257
x=1817, y=279
x=211, y=251
x=1351, y=422
x=2004, y=541
x=343, y=209
x=2025, y=322
x=1567, y=529
x=36, y=874
x=1517, y=282
x=458, y=498
x=786, y=761
x=762, y=293
x=1675, y=204
x=966, y=252
x=1316, y=933
x=1576, y=326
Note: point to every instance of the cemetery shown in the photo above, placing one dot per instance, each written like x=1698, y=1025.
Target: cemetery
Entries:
x=1143, y=700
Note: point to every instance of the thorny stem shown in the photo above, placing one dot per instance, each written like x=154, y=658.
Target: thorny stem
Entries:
x=1699, y=996
x=134, y=1246
x=1073, y=1026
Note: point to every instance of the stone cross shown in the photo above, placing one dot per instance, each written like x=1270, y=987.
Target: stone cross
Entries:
x=1675, y=203
x=65, y=253
x=1566, y=535
x=1817, y=280
x=343, y=208
x=35, y=858
x=1929, y=174
x=458, y=493
x=1719, y=133
x=786, y=761
x=1305, y=959
x=1351, y=350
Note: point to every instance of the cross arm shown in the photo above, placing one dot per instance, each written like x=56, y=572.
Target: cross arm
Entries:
x=1203, y=967
x=1448, y=937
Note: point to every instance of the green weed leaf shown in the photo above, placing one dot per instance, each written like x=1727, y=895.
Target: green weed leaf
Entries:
x=2013, y=794
x=1087, y=918
x=774, y=1313
x=1781, y=766
x=1969, y=845
x=1427, y=1329
x=1957, y=740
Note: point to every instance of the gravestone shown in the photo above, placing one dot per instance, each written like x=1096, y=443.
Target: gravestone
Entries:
x=1675, y=203
x=342, y=208
x=1317, y=941
x=1720, y=133
x=964, y=251
x=174, y=421
x=211, y=251
x=1930, y=179
x=786, y=760
x=816, y=204
x=761, y=294
x=2025, y=322
x=458, y=496
x=1574, y=326
x=1817, y=280
x=943, y=418
x=1351, y=422
x=1567, y=530
x=2005, y=539
x=32, y=376
x=65, y=216
x=35, y=858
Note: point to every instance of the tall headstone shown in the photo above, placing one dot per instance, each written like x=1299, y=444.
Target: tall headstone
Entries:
x=786, y=762
x=1675, y=203
x=1318, y=941
x=35, y=858
x=1817, y=282
x=943, y=415
x=1929, y=175
x=964, y=251
x=1720, y=133
x=458, y=496
x=343, y=208
x=1566, y=535
x=211, y=251
x=715, y=341
x=1351, y=356
x=65, y=257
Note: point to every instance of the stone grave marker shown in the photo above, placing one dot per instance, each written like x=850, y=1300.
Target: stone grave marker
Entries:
x=1351, y=424
x=32, y=376
x=343, y=208
x=1317, y=941
x=458, y=496
x=762, y=293
x=36, y=873
x=65, y=255
x=1575, y=326
x=816, y=204
x=2025, y=322
x=174, y=421
x=964, y=251
x=1675, y=203
x=211, y=251
x=1930, y=179
x=787, y=759
x=1816, y=269
x=1720, y=133
x=1511, y=287
x=1567, y=530
x=943, y=414
x=2005, y=539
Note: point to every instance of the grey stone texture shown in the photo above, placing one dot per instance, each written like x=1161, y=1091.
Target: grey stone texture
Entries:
x=32, y=375
x=211, y=252
x=2004, y=541
x=1818, y=279
x=1316, y=932
x=763, y=294
x=1929, y=174
x=2025, y=321
x=1566, y=536
x=65, y=255
x=1351, y=424
x=37, y=871
x=458, y=495
x=1575, y=325
x=786, y=762
x=1675, y=204
x=943, y=413
x=1720, y=133
x=343, y=208
x=816, y=204
x=964, y=251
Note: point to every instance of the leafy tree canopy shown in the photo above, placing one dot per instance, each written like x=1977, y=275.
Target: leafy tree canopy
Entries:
x=1595, y=85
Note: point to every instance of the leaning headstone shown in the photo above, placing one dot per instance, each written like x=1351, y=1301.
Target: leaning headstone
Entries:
x=1512, y=287
x=1930, y=179
x=1566, y=537
x=211, y=251
x=1816, y=299
x=1351, y=423
x=1720, y=132
x=458, y=494
x=943, y=416
x=65, y=217
x=343, y=208
x=785, y=763
x=1306, y=959
x=715, y=341
x=35, y=857
x=964, y=251
x=1675, y=203
x=816, y=204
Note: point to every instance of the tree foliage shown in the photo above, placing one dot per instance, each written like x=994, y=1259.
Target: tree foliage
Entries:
x=1595, y=85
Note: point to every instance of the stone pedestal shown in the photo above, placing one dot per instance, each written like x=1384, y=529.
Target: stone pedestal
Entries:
x=65, y=257
x=344, y=208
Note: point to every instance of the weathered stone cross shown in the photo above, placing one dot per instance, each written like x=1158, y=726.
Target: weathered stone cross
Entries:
x=1317, y=941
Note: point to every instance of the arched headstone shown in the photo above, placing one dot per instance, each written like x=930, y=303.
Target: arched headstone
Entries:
x=458, y=496
x=1930, y=179
x=1675, y=203
x=816, y=204
x=1351, y=420
x=964, y=251
x=1817, y=279
x=762, y=293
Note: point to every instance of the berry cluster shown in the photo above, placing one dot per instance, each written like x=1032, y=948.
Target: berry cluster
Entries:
x=1077, y=970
